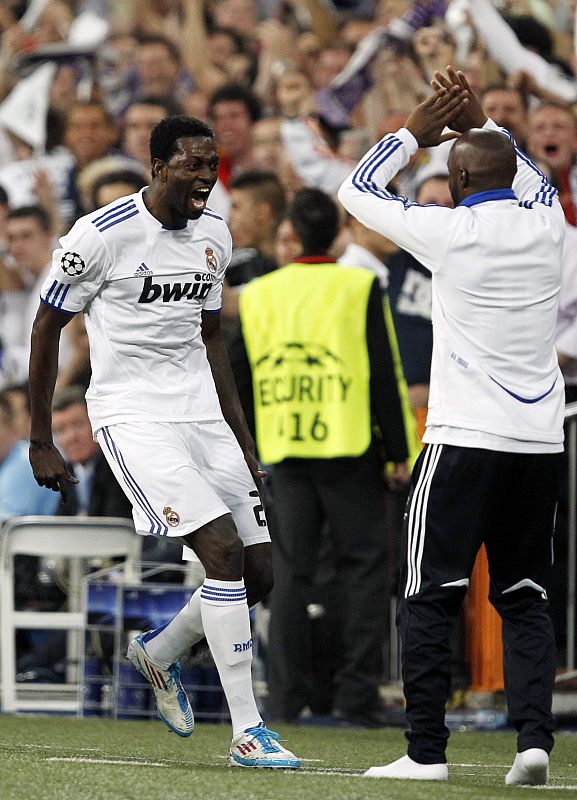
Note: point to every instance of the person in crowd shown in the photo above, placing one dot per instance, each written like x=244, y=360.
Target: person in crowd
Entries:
x=19, y=493
x=321, y=367
x=508, y=107
x=30, y=240
x=286, y=243
x=267, y=144
x=96, y=492
x=115, y=184
x=90, y=134
x=257, y=206
x=202, y=483
x=19, y=399
x=552, y=140
x=489, y=472
x=233, y=110
x=159, y=71
x=143, y=113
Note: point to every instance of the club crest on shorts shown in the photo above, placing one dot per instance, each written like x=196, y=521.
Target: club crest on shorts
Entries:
x=211, y=261
x=172, y=517
x=72, y=264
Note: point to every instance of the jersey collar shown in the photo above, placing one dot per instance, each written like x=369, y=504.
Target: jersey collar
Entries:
x=141, y=205
x=484, y=197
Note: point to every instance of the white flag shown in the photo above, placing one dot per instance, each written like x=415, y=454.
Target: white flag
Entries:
x=23, y=112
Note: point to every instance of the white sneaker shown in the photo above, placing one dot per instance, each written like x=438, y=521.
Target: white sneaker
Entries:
x=406, y=769
x=259, y=747
x=172, y=704
x=530, y=768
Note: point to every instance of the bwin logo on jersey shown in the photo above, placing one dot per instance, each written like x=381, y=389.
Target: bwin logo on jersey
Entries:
x=241, y=647
x=166, y=292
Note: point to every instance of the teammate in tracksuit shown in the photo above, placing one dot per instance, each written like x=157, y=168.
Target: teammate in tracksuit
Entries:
x=489, y=470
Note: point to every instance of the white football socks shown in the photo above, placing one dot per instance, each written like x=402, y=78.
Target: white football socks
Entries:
x=226, y=623
x=167, y=643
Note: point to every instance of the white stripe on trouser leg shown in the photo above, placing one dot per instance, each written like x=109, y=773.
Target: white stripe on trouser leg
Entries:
x=414, y=514
x=415, y=503
x=417, y=519
x=423, y=521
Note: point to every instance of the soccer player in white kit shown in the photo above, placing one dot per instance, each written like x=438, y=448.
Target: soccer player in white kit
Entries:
x=147, y=273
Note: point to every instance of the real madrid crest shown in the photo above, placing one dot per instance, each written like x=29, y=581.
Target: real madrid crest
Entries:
x=211, y=261
x=172, y=517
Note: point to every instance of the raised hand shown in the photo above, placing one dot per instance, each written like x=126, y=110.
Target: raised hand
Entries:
x=472, y=114
x=427, y=121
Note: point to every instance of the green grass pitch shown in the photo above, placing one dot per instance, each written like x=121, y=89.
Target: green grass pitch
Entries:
x=59, y=758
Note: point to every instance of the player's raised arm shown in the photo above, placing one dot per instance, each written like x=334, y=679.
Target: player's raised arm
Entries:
x=421, y=230
x=530, y=184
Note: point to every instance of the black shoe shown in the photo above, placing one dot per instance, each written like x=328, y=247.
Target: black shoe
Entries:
x=375, y=718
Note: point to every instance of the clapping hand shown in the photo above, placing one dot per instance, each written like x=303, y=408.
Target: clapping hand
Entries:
x=470, y=115
x=430, y=117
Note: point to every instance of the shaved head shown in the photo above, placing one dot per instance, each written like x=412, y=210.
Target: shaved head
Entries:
x=481, y=160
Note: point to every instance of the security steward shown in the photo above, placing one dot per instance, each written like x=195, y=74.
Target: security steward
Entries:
x=327, y=416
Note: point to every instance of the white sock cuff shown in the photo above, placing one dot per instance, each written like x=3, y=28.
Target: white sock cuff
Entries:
x=223, y=593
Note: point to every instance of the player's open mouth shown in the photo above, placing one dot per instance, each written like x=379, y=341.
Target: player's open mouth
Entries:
x=551, y=149
x=198, y=198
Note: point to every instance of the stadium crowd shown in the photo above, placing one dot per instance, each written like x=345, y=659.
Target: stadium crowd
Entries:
x=296, y=92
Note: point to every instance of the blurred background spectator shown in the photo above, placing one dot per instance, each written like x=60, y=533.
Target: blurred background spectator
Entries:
x=19, y=492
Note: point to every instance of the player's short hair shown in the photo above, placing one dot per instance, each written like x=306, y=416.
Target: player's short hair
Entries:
x=38, y=213
x=265, y=187
x=165, y=135
x=315, y=218
x=235, y=92
x=68, y=396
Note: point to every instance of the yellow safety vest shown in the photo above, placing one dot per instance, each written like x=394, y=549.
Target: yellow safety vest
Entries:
x=304, y=327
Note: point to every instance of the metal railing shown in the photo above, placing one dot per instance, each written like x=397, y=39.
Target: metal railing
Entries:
x=571, y=447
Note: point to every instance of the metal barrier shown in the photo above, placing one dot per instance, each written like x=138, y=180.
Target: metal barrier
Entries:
x=571, y=447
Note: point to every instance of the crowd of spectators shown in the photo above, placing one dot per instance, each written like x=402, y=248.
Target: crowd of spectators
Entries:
x=296, y=91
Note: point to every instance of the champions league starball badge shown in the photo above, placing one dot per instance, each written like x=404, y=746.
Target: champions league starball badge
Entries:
x=72, y=264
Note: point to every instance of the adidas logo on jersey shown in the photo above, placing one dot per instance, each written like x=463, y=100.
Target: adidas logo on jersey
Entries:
x=176, y=291
x=143, y=271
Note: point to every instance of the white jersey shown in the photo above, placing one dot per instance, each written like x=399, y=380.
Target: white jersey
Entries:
x=496, y=264
x=143, y=288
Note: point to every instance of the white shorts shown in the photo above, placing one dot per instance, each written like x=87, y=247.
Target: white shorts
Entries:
x=181, y=475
